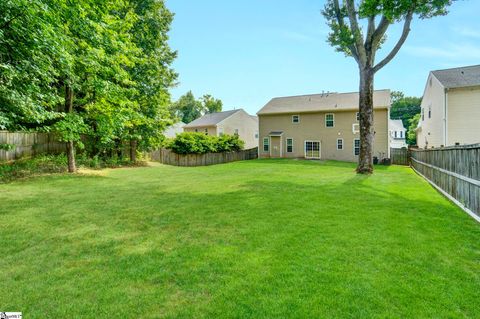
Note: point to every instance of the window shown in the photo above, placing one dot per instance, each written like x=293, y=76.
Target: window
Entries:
x=266, y=144
x=356, y=147
x=220, y=131
x=429, y=112
x=401, y=134
x=206, y=131
x=329, y=120
x=340, y=144
x=358, y=116
x=355, y=128
x=196, y=130
x=289, y=145
x=256, y=135
x=236, y=131
x=312, y=149
x=423, y=114
x=395, y=134
x=295, y=118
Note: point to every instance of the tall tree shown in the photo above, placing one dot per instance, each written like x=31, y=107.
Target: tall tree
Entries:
x=211, y=104
x=187, y=108
x=411, y=131
x=404, y=108
x=348, y=36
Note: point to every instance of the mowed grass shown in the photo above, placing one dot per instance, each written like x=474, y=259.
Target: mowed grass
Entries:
x=253, y=239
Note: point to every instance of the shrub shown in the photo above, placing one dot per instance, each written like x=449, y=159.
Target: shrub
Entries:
x=199, y=143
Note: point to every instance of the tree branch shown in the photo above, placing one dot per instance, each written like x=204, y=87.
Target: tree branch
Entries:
x=357, y=34
x=401, y=41
x=341, y=24
x=380, y=32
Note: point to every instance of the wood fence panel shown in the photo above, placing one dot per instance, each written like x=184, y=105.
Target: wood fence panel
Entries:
x=168, y=157
x=455, y=170
x=399, y=156
x=29, y=144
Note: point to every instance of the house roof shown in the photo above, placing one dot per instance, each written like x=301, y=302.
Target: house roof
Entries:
x=322, y=102
x=459, y=77
x=396, y=125
x=212, y=119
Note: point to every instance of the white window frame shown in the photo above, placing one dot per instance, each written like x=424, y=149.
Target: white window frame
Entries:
x=319, y=149
x=268, y=144
x=355, y=125
x=340, y=149
x=354, y=140
x=298, y=119
x=286, y=144
x=333, y=119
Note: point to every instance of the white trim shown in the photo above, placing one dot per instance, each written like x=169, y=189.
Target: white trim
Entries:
x=353, y=128
x=356, y=139
x=445, y=120
x=286, y=145
x=298, y=116
x=456, y=175
x=450, y=197
x=332, y=114
x=343, y=144
x=319, y=149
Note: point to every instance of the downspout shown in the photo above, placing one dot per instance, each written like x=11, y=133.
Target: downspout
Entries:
x=445, y=119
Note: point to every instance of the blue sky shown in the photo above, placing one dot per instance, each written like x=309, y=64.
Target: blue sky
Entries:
x=247, y=51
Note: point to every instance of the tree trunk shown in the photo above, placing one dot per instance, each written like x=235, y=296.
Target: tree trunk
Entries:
x=367, y=135
x=70, y=145
x=133, y=151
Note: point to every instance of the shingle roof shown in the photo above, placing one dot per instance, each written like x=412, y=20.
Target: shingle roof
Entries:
x=212, y=119
x=459, y=77
x=396, y=125
x=322, y=102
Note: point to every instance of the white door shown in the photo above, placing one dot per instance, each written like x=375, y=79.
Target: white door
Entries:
x=312, y=149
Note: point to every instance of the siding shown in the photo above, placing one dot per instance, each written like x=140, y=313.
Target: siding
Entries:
x=246, y=125
x=432, y=131
x=312, y=127
x=463, y=116
x=212, y=130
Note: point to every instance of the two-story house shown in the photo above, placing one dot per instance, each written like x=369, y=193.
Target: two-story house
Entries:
x=398, y=134
x=231, y=122
x=450, y=111
x=321, y=126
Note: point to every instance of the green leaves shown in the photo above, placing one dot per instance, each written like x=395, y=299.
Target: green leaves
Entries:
x=71, y=128
x=199, y=143
x=187, y=108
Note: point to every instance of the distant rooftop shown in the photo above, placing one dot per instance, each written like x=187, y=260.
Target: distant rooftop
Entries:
x=323, y=102
x=211, y=119
x=459, y=77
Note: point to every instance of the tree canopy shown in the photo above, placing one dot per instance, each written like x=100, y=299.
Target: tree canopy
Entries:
x=187, y=108
x=405, y=108
x=96, y=68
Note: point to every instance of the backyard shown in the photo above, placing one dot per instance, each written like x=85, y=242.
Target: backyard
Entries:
x=258, y=239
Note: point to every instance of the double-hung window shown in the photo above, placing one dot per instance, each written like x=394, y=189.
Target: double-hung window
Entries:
x=289, y=145
x=356, y=147
x=358, y=116
x=295, y=119
x=329, y=120
x=266, y=144
x=340, y=144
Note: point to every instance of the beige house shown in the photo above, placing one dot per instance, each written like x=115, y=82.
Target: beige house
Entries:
x=450, y=108
x=174, y=129
x=229, y=122
x=320, y=126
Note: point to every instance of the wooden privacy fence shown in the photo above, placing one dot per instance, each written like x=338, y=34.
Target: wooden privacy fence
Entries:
x=399, y=156
x=29, y=144
x=168, y=157
x=455, y=171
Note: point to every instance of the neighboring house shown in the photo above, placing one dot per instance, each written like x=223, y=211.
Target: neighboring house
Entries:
x=450, y=108
x=229, y=122
x=321, y=126
x=397, y=134
x=174, y=129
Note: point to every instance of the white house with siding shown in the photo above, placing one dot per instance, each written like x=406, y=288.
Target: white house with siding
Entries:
x=397, y=133
x=450, y=113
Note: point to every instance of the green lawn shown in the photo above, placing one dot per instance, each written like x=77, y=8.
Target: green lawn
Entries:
x=254, y=239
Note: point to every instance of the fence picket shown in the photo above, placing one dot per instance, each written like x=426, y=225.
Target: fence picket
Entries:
x=168, y=157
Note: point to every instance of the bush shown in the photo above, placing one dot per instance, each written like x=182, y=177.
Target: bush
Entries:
x=199, y=143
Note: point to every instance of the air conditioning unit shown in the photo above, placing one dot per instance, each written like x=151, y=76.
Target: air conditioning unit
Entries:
x=355, y=128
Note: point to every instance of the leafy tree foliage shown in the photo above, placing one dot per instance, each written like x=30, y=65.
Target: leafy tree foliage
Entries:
x=347, y=35
x=405, y=108
x=87, y=66
x=188, y=108
x=411, y=131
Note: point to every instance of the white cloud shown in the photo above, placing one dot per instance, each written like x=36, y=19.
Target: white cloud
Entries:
x=452, y=51
x=467, y=32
